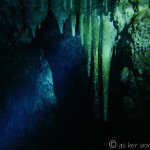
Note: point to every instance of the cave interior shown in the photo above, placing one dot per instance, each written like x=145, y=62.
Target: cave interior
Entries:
x=74, y=73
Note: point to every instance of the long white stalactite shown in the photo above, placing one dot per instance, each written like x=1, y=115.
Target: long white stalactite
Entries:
x=91, y=30
x=96, y=28
x=73, y=17
x=108, y=41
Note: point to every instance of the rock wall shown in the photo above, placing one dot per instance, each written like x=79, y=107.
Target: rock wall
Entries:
x=139, y=70
x=26, y=82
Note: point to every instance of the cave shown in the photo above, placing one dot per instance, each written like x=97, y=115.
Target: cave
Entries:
x=74, y=74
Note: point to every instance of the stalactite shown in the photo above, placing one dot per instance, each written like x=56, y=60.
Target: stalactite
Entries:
x=58, y=7
x=109, y=34
x=95, y=41
x=83, y=14
x=98, y=36
x=86, y=31
x=86, y=28
x=96, y=27
x=65, y=4
x=82, y=28
x=89, y=37
x=73, y=17
x=106, y=6
x=73, y=24
x=89, y=30
x=61, y=24
x=89, y=45
x=81, y=21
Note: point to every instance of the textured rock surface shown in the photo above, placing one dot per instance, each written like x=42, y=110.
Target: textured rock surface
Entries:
x=123, y=14
x=26, y=82
x=136, y=78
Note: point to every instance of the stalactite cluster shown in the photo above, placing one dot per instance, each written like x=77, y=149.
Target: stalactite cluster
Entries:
x=100, y=25
x=98, y=37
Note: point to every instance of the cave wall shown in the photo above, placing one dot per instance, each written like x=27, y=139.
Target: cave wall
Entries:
x=26, y=82
x=109, y=38
x=107, y=22
x=136, y=80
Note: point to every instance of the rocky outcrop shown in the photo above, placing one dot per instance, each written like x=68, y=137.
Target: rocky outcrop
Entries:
x=136, y=76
